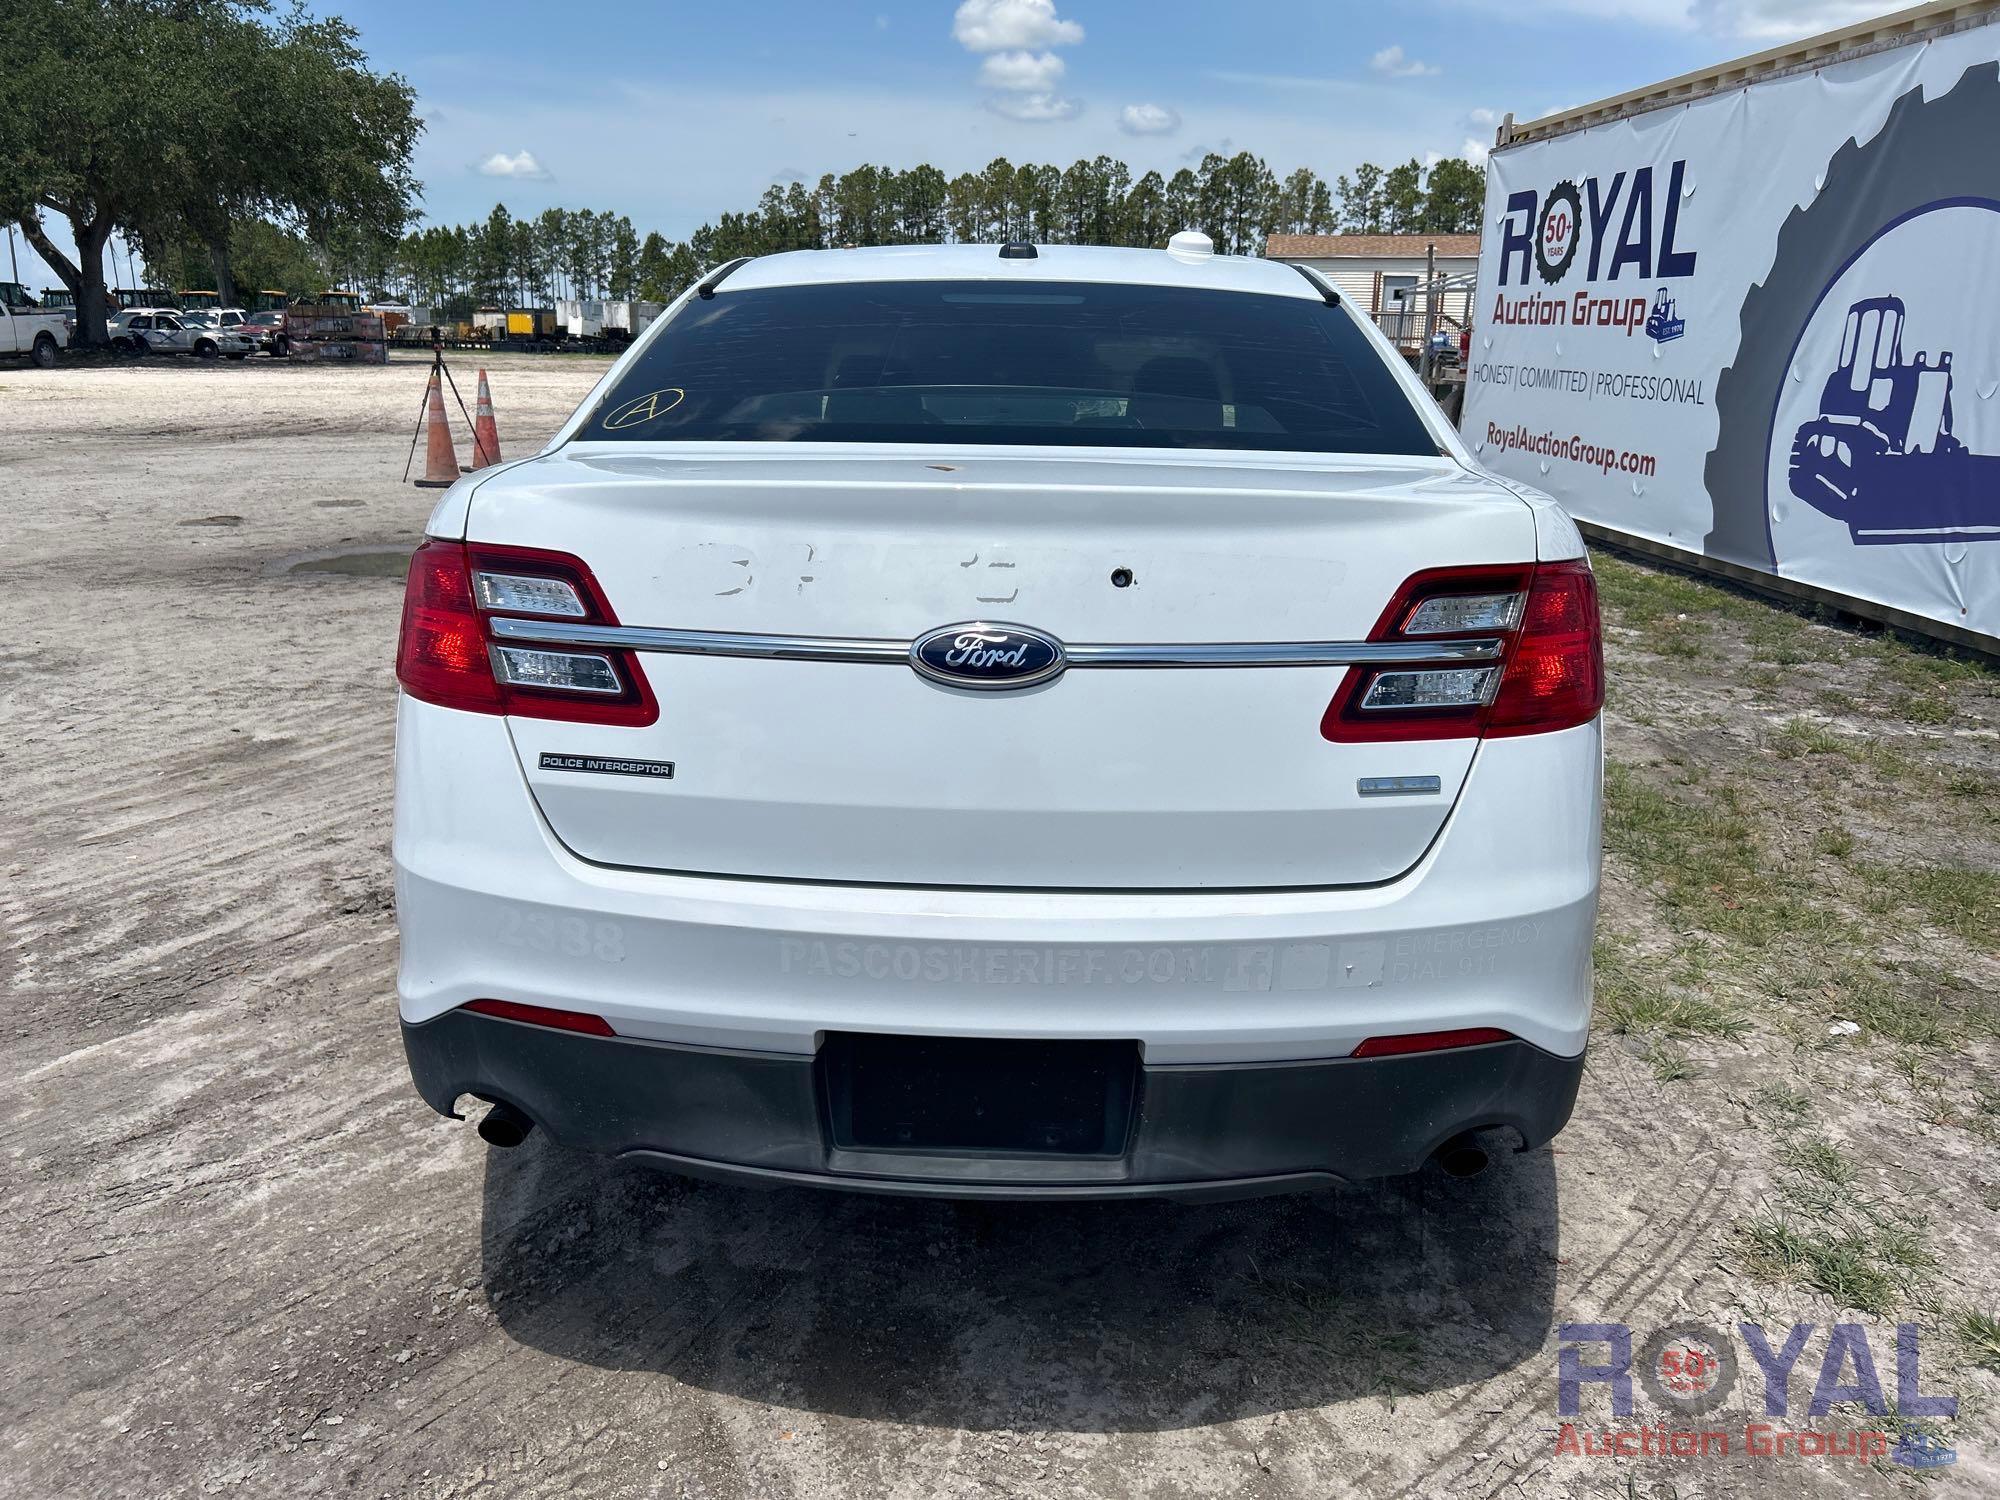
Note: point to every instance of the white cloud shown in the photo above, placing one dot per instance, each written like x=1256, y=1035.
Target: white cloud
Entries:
x=1012, y=25
x=1779, y=20
x=1017, y=35
x=1034, y=109
x=1764, y=21
x=1390, y=60
x=521, y=166
x=1026, y=72
x=1486, y=117
x=1470, y=149
x=1148, y=119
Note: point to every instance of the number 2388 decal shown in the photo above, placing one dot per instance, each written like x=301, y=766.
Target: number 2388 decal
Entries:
x=572, y=937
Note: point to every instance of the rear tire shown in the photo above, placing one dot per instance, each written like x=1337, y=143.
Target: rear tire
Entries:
x=44, y=352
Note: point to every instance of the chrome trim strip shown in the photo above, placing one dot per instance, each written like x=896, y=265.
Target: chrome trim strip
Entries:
x=1281, y=653
x=702, y=642
x=855, y=648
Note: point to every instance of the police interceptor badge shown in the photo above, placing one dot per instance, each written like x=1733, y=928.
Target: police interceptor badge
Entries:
x=608, y=765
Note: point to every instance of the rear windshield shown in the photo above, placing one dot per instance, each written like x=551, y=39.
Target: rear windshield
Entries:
x=984, y=362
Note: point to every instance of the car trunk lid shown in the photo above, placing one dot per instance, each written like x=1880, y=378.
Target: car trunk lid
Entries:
x=814, y=767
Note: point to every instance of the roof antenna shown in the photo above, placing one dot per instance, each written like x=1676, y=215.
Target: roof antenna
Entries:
x=1018, y=250
x=707, y=289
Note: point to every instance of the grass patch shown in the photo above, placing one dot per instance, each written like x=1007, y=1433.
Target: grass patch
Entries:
x=1979, y=1332
x=1840, y=1265
x=1659, y=1003
x=1646, y=593
x=1632, y=1009
x=1670, y=613
x=1823, y=1236
x=1924, y=708
x=1821, y=1160
x=1783, y=1103
x=1916, y=1004
x=1823, y=1231
x=1803, y=736
x=1670, y=1064
x=1822, y=940
x=1920, y=666
x=1704, y=856
x=1965, y=903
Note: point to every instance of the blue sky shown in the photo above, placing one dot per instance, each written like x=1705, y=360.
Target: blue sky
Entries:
x=674, y=112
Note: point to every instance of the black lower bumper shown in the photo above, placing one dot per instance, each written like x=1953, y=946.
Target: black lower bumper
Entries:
x=1209, y=1131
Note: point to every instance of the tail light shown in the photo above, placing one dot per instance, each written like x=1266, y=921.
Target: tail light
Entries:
x=447, y=655
x=1430, y=1041
x=1549, y=673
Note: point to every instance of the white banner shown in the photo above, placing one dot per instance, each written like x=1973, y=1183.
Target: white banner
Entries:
x=1765, y=326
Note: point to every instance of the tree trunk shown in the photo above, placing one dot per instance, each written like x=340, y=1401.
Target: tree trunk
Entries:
x=218, y=257
x=92, y=302
x=32, y=231
x=84, y=277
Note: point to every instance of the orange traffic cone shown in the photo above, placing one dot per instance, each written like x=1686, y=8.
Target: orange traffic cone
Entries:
x=440, y=458
x=485, y=437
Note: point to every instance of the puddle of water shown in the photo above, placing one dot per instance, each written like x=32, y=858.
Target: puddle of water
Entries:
x=372, y=563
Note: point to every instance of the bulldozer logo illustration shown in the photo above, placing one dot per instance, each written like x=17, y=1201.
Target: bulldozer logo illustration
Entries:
x=1880, y=455
x=1661, y=325
x=1830, y=410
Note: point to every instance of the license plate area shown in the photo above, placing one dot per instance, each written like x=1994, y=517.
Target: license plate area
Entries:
x=975, y=1096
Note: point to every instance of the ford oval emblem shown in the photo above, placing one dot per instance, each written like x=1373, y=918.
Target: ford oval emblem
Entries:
x=985, y=654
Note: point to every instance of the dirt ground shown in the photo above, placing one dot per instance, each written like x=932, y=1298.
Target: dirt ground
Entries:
x=239, y=1256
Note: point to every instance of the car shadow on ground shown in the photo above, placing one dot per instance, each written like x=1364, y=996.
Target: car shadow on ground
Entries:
x=1142, y=1316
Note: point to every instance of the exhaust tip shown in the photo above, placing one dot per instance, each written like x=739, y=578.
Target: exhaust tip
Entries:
x=505, y=1126
x=1461, y=1157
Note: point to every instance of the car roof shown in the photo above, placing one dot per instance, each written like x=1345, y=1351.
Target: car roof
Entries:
x=1095, y=263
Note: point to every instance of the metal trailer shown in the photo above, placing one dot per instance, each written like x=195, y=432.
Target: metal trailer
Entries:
x=1881, y=455
x=332, y=328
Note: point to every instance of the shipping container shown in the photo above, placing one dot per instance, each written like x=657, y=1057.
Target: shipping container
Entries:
x=1749, y=318
x=531, y=323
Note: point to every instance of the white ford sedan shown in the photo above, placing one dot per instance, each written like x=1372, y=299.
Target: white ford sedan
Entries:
x=1002, y=721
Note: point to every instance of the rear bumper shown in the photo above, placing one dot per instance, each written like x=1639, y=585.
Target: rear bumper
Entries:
x=1491, y=928
x=1199, y=1131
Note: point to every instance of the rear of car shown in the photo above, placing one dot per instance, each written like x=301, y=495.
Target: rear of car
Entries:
x=937, y=721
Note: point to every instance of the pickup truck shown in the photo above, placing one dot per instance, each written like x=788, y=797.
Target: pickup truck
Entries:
x=27, y=328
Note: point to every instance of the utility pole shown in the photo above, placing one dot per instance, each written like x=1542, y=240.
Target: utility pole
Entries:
x=1427, y=359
